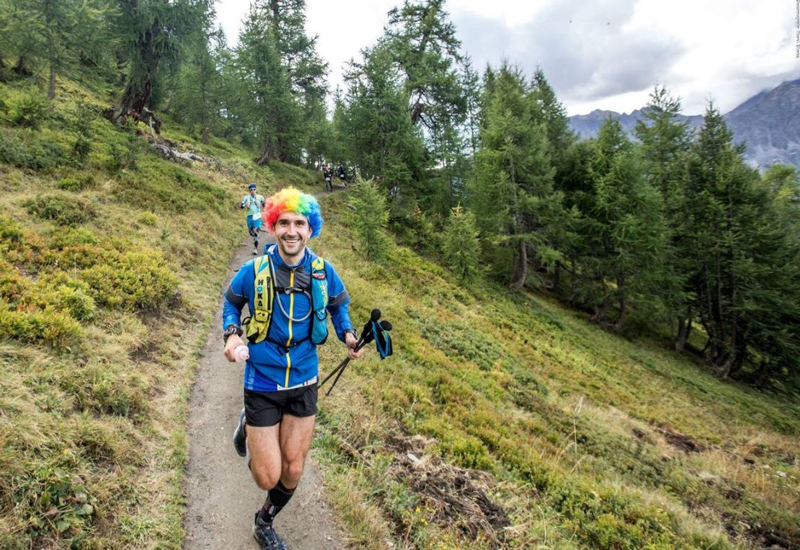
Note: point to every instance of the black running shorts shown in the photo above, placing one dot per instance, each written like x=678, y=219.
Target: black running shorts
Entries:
x=267, y=408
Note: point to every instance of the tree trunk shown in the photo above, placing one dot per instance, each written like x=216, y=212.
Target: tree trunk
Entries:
x=684, y=329
x=21, y=68
x=572, y=280
x=51, y=87
x=266, y=155
x=139, y=87
x=623, y=303
x=521, y=268
x=206, y=132
x=557, y=276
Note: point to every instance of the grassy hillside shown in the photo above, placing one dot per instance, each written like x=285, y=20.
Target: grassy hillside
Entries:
x=505, y=420
x=111, y=259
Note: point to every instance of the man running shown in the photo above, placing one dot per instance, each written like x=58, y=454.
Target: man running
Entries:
x=289, y=292
x=342, y=173
x=254, y=203
x=327, y=174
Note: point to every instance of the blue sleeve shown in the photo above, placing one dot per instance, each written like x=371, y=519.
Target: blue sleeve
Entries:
x=237, y=295
x=338, y=302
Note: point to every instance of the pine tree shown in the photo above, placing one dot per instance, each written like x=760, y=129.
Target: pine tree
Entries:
x=151, y=33
x=199, y=88
x=512, y=193
x=423, y=43
x=461, y=246
x=370, y=218
x=272, y=104
x=377, y=127
x=665, y=143
x=59, y=33
x=737, y=241
x=623, y=232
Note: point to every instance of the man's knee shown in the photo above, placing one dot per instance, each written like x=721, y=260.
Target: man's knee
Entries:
x=293, y=470
x=266, y=478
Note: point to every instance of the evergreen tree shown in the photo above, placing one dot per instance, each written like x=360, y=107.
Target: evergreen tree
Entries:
x=665, y=143
x=200, y=89
x=623, y=234
x=461, y=246
x=59, y=33
x=284, y=77
x=422, y=41
x=151, y=32
x=370, y=218
x=512, y=193
x=272, y=104
x=377, y=127
x=744, y=266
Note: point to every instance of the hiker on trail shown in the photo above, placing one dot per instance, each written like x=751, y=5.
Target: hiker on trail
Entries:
x=254, y=203
x=327, y=174
x=342, y=173
x=290, y=292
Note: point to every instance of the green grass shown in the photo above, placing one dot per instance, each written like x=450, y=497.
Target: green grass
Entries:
x=588, y=440
x=110, y=270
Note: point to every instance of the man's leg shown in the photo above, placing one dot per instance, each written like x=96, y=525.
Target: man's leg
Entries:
x=295, y=438
x=265, y=455
x=265, y=466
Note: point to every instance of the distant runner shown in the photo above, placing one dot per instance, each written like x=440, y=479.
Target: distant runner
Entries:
x=290, y=293
x=327, y=173
x=342, y=173
x=254, y=204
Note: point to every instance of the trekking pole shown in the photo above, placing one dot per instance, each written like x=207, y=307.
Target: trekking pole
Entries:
x=369, y=337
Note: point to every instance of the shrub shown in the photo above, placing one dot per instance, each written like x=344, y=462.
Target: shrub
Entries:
x=171, y=188
x=77, y=182
x=62, y=238
x=62, y=209
x=148, y=218
x=61, y=292
x=133, y=280
x=370, y=219
x=10, y=231
x=53, y=327
x=26, y=108
x=26, y=150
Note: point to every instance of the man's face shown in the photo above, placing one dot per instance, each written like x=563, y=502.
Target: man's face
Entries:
x=292, y=232
x=253, y=192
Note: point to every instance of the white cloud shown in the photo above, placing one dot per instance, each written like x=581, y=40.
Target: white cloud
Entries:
x=604, y=54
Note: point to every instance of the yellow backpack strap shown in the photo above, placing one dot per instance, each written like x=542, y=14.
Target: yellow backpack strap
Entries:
x=264, y=287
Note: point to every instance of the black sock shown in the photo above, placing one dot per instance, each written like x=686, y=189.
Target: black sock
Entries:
x=277, y=498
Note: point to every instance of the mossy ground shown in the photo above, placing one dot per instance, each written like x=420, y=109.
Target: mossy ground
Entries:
x=591, y=440
x=111, y=259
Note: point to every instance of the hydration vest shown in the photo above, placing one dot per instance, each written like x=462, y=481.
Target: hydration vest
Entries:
x=264, y=299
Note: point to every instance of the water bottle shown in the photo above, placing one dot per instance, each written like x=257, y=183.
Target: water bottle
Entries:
x=241, y=353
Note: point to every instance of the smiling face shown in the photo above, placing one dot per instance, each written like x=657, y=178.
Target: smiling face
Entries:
x=292, y=232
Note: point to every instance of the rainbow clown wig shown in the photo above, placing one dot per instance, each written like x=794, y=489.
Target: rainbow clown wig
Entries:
x=292, y=200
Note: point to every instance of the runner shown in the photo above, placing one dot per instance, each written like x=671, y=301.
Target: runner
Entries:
x=342, y=173
x=327, y=173
x=289, y=292
x=254, y=203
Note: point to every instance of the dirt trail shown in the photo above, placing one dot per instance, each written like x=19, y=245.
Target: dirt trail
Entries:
x=221, y=497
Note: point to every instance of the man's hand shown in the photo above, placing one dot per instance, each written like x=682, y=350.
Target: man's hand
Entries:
x=350, y=340
x=233, y=342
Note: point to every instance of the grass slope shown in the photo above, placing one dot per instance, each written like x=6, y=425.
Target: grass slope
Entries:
x=505, y=420
x=111, y=259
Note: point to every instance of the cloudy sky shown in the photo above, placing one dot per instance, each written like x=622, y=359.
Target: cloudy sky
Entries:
x=602, y=54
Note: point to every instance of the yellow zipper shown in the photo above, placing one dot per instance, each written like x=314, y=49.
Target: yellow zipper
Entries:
x=289, y=341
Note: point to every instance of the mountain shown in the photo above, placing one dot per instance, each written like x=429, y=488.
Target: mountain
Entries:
x=769, y=122
x=770, y=125
x=587, y=126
